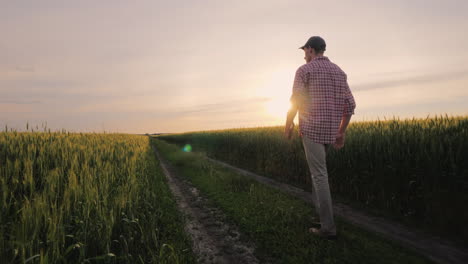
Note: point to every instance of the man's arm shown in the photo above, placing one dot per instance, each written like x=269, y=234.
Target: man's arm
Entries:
x=289, y=120
x=348, y=111
x=344, y=123
x=297, y=98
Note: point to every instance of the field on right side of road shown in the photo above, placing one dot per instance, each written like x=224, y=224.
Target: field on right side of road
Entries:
x=412, y=170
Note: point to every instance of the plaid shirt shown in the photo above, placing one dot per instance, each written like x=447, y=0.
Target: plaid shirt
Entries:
x=322, y=95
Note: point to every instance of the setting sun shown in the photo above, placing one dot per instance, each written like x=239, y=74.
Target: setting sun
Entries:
x=277, y=89
x=278, y=107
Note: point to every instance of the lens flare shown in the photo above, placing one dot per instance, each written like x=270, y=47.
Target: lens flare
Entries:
x=187, y=148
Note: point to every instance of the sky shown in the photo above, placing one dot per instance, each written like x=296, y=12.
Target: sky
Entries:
x=174, y=66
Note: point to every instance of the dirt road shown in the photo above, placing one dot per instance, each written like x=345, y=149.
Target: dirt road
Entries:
x=214, y=241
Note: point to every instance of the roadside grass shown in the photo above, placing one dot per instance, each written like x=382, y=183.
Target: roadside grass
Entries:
x=278, y=223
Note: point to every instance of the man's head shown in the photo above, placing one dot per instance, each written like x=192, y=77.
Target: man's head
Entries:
x=314, y=47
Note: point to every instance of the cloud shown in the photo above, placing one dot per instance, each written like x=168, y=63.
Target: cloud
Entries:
x=250, y=104
x=27, y=85
x=25, y=69
x=418, y=93
x=421, y=79
x=13, y=73
x=19, y=102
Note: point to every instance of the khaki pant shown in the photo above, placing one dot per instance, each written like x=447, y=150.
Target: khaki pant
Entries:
x=321, y=197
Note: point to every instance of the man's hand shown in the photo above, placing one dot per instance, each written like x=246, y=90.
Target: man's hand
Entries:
x=289, y=126
x=339, y=142
x=340, y=137
x=288, y=132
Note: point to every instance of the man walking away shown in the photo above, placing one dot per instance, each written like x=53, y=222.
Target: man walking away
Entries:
x=325, y=103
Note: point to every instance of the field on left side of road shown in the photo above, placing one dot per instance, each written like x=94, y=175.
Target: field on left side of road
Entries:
x=74, y=198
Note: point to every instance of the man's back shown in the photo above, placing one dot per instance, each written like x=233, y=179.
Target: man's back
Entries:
x=321, y=88
x=325, y=104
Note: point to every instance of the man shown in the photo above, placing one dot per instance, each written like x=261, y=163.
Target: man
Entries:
x=325, y=103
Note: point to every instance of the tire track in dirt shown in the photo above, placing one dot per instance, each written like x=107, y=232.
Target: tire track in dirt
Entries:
x=435, y=248
x=213, y=240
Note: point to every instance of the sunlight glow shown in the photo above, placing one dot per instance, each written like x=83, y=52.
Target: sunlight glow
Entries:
x=278, y=107
x=278, y=88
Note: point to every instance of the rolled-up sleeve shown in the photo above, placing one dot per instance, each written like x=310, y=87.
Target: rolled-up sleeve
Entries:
x=299, y=91
x=349, y=103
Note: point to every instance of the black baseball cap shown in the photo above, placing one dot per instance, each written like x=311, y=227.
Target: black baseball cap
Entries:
x=316, y=43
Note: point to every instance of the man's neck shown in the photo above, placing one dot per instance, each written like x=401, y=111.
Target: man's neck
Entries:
x=316, y=56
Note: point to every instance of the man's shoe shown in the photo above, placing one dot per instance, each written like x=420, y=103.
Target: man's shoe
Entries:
x=317, y=232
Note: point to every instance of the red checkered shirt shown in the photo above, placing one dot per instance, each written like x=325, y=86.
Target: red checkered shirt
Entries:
x=322, y=95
